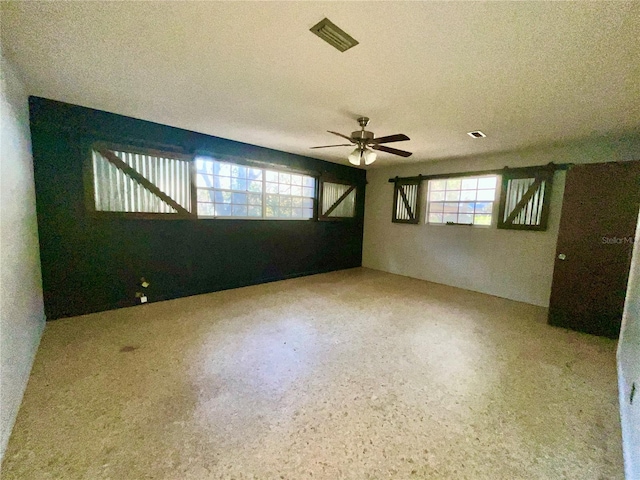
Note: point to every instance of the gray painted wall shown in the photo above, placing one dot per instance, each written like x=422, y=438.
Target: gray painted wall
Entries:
x=21, y=307
x=629, y=367
x=512, y=264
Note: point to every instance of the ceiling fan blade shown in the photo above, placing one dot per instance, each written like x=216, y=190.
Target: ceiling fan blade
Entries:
x=340, y=135
x=394, y=151
x=400, y=137
x=341, y=145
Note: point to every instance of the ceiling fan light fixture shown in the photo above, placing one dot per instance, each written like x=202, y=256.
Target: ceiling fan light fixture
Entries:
x=369, y=156
x=355, y=157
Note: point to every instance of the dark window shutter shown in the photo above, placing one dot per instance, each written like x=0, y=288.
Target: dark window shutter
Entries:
x=406, y=201
x=337, y=200
x=524, y=199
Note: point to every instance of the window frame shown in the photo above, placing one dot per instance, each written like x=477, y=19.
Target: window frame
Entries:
x=461, y=177
x=330, y=179
x=547, y=171
x=178, y=153
x=546, y=174
x=89, y=178
x=250, y=163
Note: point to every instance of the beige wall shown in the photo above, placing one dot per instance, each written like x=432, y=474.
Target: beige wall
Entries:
x=21, y=309
x=506, y=263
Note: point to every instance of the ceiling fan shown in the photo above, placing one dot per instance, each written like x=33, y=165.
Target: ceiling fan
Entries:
x=366, y=143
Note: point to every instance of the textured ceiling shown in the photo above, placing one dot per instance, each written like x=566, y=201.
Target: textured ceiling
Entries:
x=524, y=73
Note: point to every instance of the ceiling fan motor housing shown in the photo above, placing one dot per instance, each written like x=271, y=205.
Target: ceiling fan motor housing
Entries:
x=361, y=136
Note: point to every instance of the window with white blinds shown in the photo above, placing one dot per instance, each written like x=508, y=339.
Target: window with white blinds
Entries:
x=338, y=200
x=135, y=182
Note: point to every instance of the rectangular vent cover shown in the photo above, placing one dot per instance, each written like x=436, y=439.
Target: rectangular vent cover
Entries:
x=476, y=134
x=333, y=35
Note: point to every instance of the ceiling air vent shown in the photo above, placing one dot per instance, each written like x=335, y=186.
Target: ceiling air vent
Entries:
x=333, y=35
x=476, y=134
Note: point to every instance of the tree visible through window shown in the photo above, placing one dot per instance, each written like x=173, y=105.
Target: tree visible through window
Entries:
x=238, y=191
x=462, y=200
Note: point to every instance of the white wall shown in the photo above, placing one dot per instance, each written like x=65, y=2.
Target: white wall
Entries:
x=21, y=308
x=629, y=367
x=506, y=263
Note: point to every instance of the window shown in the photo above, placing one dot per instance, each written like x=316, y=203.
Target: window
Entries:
x=524, y=200
x=462, y=200
x=406, y=201
x=237, y=191
x=137, y=182
x=338, y=201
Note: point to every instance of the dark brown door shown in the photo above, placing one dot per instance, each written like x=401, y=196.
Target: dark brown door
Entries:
x=598, y=222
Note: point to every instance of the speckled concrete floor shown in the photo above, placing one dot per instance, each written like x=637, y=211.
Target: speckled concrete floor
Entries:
x=355, y=374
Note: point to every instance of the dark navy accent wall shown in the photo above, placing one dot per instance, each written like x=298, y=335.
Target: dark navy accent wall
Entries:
x=92, y=263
